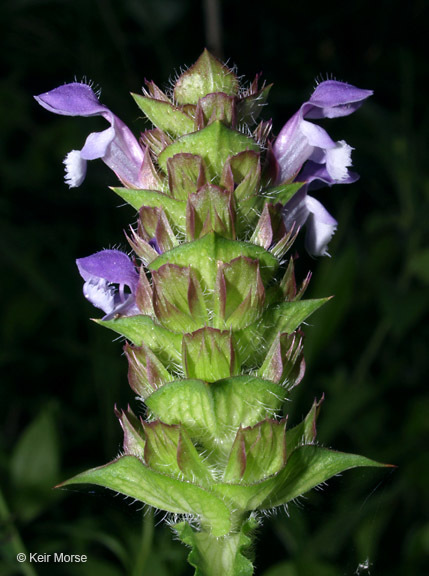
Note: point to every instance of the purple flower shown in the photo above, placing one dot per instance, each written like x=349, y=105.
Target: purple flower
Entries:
x=304, y=151
x=116, y=145
x=300, y=140
x=103, y=269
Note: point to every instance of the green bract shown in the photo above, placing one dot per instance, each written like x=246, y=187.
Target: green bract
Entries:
x=217, y=345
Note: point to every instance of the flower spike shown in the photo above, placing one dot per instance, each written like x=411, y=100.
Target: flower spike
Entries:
x=213, y=315
x=116, y=146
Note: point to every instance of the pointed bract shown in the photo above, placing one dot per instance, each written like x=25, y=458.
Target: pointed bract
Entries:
x=206, y=76
x=186, y=174
x=215, y=107
x=284, y=362
x=165, y=116
x=209, y=355
x=251, y=104
x=241, y=293
x=146, y=372
x=257, y=453
x=178, y=298
x=134, y=441
x=210, y=209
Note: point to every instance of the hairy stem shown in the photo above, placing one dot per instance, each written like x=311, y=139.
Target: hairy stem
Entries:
x=212, y=556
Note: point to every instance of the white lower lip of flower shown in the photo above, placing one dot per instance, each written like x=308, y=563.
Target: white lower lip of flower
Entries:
x=100, y=294
x=75, y=169
x=338, y=159
x=318, y=237
x=321, y=226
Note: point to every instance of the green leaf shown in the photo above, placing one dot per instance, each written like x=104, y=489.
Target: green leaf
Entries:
x=307, y=467
x=283, y=193
x=305, y=432
x=143, y=330
x=255, y=340
x=165, y=116
x=35, y=457
x=206, y=76
x=174, y=209
x=289, y=315
x=129, y=476
x=310, y=466
x=203, y=255
x=34, y=466
x=233, y=407
x=187, y=402
x=215, y=144
x=218, y=409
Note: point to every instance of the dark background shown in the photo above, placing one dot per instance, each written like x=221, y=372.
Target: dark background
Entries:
x=366, y=350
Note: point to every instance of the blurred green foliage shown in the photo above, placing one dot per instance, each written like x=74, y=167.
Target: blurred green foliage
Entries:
x=366, y=350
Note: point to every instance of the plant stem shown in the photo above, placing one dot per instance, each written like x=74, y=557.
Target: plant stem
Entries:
x=213, y=556
x=145, y=544
x=213, y=26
